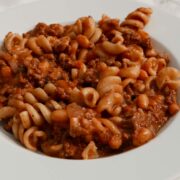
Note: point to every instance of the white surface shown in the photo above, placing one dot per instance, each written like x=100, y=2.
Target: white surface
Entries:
x=157, y=160
x=6, y=4
x=170, y=6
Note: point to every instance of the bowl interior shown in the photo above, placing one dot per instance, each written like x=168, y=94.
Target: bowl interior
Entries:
x=162, y=50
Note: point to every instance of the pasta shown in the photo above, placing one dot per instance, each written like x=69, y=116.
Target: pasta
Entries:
x=37, y=45
x=27, y=136
x=113, y=48
x=14, y=42
x=88, y=89
x=137, y=19
x=90, y=96
x=7, y=112
x=111, y=102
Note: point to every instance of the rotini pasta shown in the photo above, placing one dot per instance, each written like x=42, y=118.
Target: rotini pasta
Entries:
x=27, y=136
x=7, y=112
x=86, y=90
x=137, y=19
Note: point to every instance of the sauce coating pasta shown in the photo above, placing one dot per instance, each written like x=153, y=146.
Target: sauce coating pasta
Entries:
x=88, y=89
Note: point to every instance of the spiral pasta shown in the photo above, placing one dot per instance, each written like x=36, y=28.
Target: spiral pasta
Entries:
x=7, y=112
x=137, y=19
x=27, y=136
x=39, y=105
x=88, y=89
x=113, y=47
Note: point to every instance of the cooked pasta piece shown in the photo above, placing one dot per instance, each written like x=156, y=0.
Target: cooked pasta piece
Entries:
x=53, y=105
x=110, y=102
x=7, y=112
x=83, y=41
x=90, y=96
x=113, y=48
x=46, y=113
x=16, y=103
x=99, y=51
x=36, y=117
x=138, y=18
x=170, y=76
x=39, y=44
x=130, y=72
x=83, y=54
x=25, y=119
x=96, y=36
x=76, y=96
x=28, y=137
x=109, y=71
x=109, y=83
x=50, y=89
x=88, y=26
x=14, y=42
x=29, y=98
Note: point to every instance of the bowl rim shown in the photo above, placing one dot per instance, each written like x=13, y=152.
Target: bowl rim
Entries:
x=140, y=163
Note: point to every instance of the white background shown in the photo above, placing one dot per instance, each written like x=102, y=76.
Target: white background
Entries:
x=171, y=6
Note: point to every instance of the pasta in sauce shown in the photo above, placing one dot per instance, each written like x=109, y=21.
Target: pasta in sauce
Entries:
x=88, y=89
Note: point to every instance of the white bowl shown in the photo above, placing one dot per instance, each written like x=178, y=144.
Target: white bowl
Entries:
x=156, y=160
